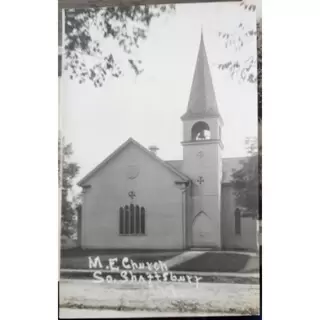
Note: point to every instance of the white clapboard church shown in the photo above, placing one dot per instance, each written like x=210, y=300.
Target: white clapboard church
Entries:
x=135, y=200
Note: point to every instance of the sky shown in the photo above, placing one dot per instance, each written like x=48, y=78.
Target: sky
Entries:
x=148, y=107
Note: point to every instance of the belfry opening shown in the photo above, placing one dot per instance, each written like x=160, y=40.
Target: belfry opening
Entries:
x=200, y=131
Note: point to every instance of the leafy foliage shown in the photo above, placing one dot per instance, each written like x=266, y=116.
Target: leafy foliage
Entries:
x=127, y=25
x=67, y=172
x=259, y=65
x=251, y=69
x=247, y=181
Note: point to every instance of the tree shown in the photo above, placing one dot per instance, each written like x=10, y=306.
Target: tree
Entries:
x=247, y=181
x=67, y=172
x=127, y=25
x=251, y=69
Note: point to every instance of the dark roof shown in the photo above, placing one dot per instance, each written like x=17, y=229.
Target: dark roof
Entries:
x=229, y=165
x=202, y=100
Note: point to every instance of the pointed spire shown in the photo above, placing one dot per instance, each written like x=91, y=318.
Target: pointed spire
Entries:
x=202, y=100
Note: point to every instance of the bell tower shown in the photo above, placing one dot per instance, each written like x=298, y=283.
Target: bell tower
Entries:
x=202, y=160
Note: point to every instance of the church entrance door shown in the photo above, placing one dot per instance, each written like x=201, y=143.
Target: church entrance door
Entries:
x=202, y=236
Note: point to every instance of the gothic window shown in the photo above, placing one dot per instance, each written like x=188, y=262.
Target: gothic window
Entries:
x=59, y=65
x=142, y=222
x=126, y=220
x=200, y=131
x=121, y=221
x=237, y=215
x=137, y=218
x=132, y=220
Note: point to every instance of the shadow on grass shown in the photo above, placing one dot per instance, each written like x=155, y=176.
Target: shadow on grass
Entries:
x=220, y=262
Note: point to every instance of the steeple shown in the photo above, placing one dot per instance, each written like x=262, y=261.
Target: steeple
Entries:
x=202, y=100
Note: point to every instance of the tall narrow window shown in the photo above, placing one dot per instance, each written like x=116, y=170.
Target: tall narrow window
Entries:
x=132, y=219
x=121, y=221
x=126, y=220
x=237, y=215
x=142, y=225
x=137, y=219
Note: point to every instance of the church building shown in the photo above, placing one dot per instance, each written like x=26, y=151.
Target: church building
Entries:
x=135, y=200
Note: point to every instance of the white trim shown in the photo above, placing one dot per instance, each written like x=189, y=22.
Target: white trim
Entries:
x=124, y=145
x=208, y=141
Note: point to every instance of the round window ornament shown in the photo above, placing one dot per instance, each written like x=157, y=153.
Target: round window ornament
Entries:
x=133, y=172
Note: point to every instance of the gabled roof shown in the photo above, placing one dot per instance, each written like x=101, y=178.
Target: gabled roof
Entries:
x=122, y=147
x=202, y=99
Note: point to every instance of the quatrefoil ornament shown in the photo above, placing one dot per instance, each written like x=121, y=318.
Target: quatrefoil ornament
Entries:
x=200, y=154
x=200, y=180
x=132, y=195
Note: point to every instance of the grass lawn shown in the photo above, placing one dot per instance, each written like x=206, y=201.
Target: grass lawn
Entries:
x=220, y=262
x=78, y=259
x=183, y=297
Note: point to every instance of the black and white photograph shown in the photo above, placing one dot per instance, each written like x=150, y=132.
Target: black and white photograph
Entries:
x=133, y=184
x=159, y=159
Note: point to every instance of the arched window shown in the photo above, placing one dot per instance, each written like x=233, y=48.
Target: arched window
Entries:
x=142, y=223
x=121, y=221
x=132, y=220
x=237, y=216
x=126, y=220
x=200, y=131
x=137, y=219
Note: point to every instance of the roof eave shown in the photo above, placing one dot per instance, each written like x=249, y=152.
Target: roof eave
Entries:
x=83, y=181
x=198, y=116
